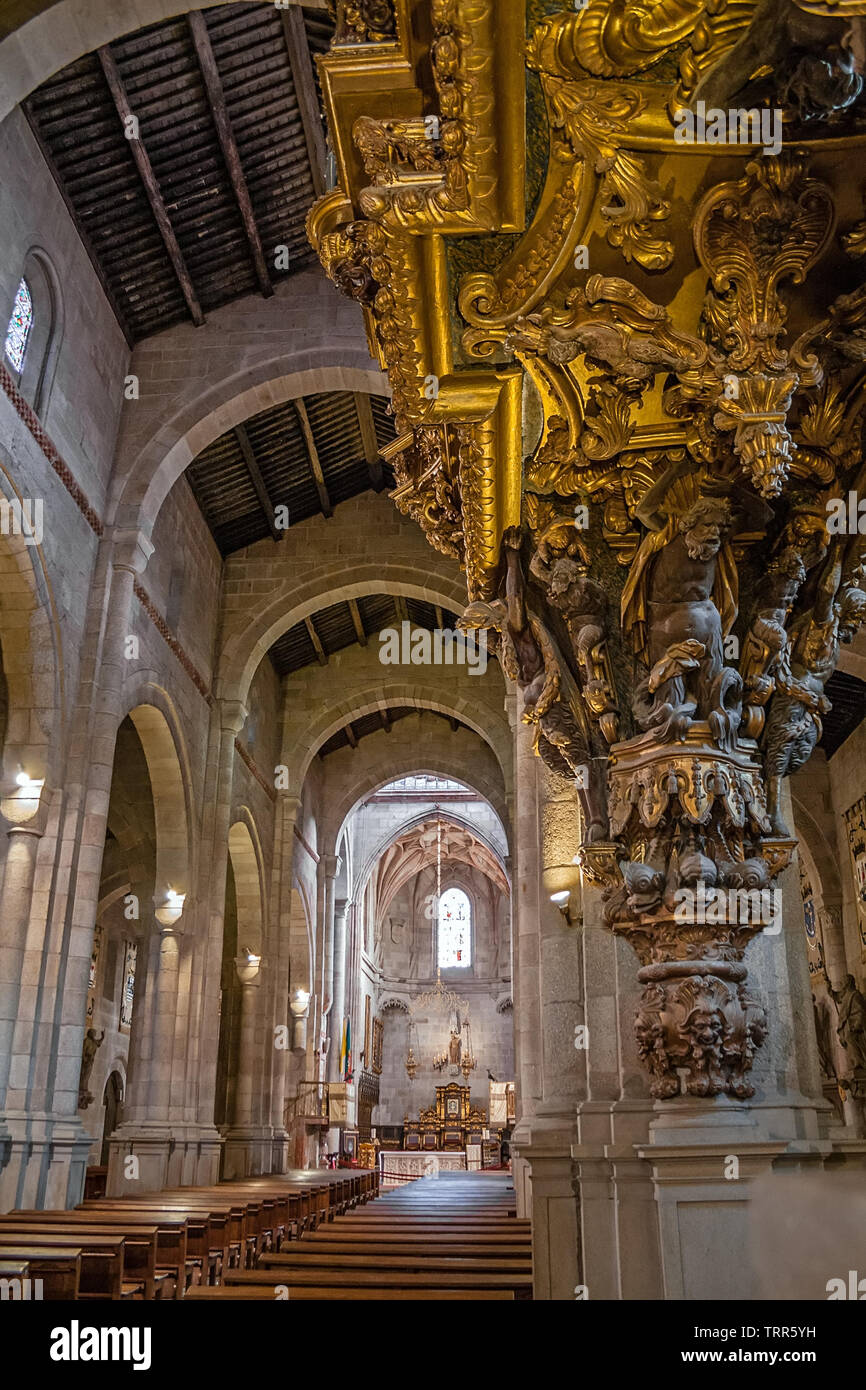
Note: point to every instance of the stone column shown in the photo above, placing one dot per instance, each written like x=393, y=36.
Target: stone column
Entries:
x=545, y=1137
x=329, y=867
x=247, y=1146
x=229, y=718
x=524, y=935
x=288, y=807
x=17, y=897
x=140, y=1154
x=338, y=1010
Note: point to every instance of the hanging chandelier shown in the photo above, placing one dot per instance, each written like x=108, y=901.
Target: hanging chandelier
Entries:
x=438, y=1000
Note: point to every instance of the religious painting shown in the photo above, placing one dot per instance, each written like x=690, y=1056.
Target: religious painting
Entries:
x=452, y=1107
x=509, y=1102
x=812, y=926
x=378, y=1036
x=129, y=962
x=855, y=821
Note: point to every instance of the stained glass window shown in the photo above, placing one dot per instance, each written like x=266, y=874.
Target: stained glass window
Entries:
x=19, y=326
x=455, y=923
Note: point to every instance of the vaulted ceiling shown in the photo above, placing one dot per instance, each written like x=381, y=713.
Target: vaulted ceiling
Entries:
x=188, y=154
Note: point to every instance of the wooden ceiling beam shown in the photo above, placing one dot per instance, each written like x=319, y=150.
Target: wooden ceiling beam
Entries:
x=401, y=609
x=151, y=186
x=316, y=641
x=351, y=736
x=368, y=436
x=258, y=481
x=440, y=618
x=358, y=624
x=305, y=89
x=228, y=143
x=386, y=720
x=313, y=456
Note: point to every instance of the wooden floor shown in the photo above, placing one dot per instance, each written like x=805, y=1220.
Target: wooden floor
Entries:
x=299, y=1235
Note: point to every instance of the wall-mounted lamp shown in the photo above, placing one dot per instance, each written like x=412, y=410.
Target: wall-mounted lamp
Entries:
x=298, y=1007
x=28, y=783
x=562, y=900
x=170, y=911
x=247, y=965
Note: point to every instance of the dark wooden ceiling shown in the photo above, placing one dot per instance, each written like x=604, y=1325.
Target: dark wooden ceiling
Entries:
x=342, y=624
x=307, y=455
x=848, y=695
x=350, y=735
x=230, y=156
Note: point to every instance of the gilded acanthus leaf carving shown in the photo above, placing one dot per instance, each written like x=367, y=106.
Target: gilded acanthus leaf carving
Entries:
x=595, y=120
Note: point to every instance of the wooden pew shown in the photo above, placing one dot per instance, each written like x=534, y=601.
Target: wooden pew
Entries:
x=59, y=1268
x=205, y=1247
x=369, y=1278
x=256, y=1294
x=101, y=1274
x=166, y=1232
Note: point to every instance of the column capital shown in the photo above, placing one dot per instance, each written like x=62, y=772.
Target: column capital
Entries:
x=330, y=865
x=232, y=716
x=131, y=550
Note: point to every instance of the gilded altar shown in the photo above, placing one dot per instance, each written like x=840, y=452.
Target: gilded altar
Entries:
x=449, y=1124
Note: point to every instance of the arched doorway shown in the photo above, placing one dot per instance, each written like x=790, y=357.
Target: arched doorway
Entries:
x=112, y=1100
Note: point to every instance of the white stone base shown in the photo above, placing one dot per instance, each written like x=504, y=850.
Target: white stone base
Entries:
x=43, y=1159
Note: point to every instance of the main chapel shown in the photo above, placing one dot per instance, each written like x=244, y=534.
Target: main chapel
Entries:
x=432, y=681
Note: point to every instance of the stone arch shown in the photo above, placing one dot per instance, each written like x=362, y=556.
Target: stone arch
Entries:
x=301, y=946
x=245, y=853
x=382, y=769
x=819, y=856
x=326, y=562
x=32, y=664
x=143, y=479
x=391, y=693
x=155, y=721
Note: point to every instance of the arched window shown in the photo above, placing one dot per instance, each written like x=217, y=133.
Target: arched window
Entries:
x=18, y=332
x=35, y=331
x=455, y=930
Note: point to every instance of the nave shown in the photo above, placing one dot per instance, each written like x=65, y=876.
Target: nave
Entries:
x=299, y=1235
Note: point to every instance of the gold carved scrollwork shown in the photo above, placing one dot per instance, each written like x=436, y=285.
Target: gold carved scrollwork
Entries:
x=363, y=21
x=613, y=39
x=596, y=121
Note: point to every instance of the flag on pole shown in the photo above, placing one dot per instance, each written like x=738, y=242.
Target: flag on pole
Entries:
x=343, y=1051
x=348, y=1068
